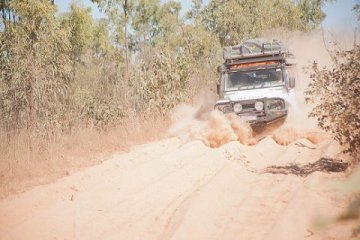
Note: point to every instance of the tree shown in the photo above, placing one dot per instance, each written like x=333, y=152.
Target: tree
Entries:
x=195, y=11
x=102, y=45
x=156, y=23
x=80, y=24
x=8, y=15
x=119, y=12
x=357, y=10
x=145, y=21
x=34, y=68
x=336, y=92
x=311, y=13
x=233, y=20
x=161, y=82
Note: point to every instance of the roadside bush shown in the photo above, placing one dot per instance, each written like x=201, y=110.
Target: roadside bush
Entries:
x=336, y=93
x=35, y=68
x=159, y=84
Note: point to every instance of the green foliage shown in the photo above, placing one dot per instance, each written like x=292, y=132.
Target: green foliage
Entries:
x=195, y=11
x=94, y=98
x=34, y=68
x=160, y=84
x=200, y=44
x=56, y=73
x=102, y=45
x=311, y=13
x=145, y=21
x=144, y=58
x=80, y=23
x=118, y=13
x=156, y=23
x=337, y=95
x=234, y=21
x=97, y=95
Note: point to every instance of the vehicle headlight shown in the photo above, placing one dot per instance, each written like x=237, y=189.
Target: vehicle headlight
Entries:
x=223, y=108
x=219, y=107
x=275, y=104
x=259, y=106
x=237, y=107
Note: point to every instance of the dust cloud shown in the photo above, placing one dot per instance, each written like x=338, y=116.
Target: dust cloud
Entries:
x=307, y=49
x=213, y=128
x=200, y=122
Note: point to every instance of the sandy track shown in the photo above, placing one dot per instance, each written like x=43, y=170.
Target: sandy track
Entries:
x=171, y=190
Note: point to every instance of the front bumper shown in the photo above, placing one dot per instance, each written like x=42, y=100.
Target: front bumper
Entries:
x=267, y=117
x=249, y=114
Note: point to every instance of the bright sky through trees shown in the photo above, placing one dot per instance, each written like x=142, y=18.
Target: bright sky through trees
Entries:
x=339, y=13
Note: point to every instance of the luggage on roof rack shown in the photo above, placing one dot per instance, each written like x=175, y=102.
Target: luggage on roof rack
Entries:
x=254, y=47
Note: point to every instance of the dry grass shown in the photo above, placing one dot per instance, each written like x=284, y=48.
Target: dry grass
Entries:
x=28, y=161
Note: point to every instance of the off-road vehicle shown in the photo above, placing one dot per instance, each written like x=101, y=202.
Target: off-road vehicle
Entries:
x=257, y=80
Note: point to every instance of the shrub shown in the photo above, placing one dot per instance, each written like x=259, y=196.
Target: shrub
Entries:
x=35, y=68
x=159, y=85
x=336, y=92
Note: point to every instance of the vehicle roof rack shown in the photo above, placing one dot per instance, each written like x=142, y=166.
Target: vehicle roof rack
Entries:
x=255, y=48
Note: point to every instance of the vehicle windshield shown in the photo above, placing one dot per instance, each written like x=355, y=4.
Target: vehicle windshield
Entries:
x=259, y=78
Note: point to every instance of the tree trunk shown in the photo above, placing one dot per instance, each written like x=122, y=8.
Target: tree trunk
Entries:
x=125, y=6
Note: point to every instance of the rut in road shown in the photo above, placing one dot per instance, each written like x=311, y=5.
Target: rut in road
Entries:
x=173, y=190
x=327, y=165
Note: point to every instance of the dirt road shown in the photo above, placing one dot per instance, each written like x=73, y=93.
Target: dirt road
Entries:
x=180, y=188
x=176, y=190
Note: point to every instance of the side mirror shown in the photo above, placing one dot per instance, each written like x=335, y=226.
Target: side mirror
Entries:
x=218, y=88
x=219, y=69
x=291, y=82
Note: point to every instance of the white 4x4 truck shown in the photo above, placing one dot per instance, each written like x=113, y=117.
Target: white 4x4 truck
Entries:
x=257, y=81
